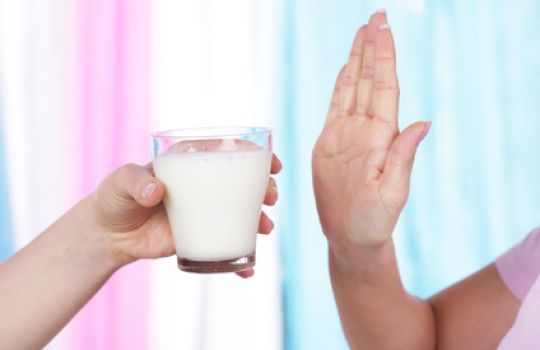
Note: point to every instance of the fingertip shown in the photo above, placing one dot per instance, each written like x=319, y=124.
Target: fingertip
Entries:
x=379, y=15
x=383, y=36
x=159, y=192
x=362, y=33
x=408, y=140
x=341, y=73
x=375, y=21
x=246, y=273
x=276, y=165
x=425, y=131
x=265, y=224
x=359, y=39
x=271, y=196
x=151, y=193
x=418, y=126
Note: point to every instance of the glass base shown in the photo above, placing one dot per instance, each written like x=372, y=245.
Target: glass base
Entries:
x=231, y=265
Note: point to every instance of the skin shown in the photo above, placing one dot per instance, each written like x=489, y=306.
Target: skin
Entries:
x=44, y=284
x=362, y=165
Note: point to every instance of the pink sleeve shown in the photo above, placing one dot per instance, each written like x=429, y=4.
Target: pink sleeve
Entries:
x=520, y=266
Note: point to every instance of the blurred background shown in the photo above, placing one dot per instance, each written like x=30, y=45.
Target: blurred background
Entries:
x=82, y=84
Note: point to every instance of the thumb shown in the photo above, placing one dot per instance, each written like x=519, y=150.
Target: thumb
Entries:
x=397, y=170
x=134, y=182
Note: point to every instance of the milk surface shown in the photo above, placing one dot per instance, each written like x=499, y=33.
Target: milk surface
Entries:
x=213, y=201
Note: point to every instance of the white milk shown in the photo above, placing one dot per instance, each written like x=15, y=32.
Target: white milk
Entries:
x=213, y=200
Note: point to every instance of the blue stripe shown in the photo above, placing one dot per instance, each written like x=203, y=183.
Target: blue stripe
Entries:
x=289, y=244
x=6, y=242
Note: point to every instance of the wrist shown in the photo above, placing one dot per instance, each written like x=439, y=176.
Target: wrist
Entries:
x=354, y=256
x=352, y=246
x=95, y=243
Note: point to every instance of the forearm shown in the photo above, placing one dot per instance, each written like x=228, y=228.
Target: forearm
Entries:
x=44, y=285
x=375, y=310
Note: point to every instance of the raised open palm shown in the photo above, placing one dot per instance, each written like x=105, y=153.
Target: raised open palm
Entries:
x=361, y=162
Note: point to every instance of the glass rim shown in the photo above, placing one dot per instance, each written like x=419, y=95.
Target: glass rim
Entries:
x=212, y=132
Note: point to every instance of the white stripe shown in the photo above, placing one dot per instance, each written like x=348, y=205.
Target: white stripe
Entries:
x=36, y=71
x=215, y=63
x=14, y=82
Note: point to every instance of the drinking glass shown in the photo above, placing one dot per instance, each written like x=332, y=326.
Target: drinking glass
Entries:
x=215, y=183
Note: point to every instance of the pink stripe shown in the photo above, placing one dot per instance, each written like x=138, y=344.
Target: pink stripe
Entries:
x=132, y=127
x=114, y=130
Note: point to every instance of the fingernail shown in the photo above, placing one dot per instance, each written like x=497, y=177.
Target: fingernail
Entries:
x=425, y=132
x=381, y=10
x=148, y=190
x=384, y=26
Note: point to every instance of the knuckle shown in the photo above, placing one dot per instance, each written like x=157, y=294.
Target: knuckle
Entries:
x=361, y=110
x=349, y=80
x=346, y=109
x=125, y=170
x=401, y=158
x=386, y=59
x=385, y=85
x=367, y=72
x=398, y=155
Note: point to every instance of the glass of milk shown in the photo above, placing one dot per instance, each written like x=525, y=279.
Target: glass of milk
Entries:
x=215, y=183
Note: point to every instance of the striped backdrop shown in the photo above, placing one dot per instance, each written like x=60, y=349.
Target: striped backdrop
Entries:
x=82, y=83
